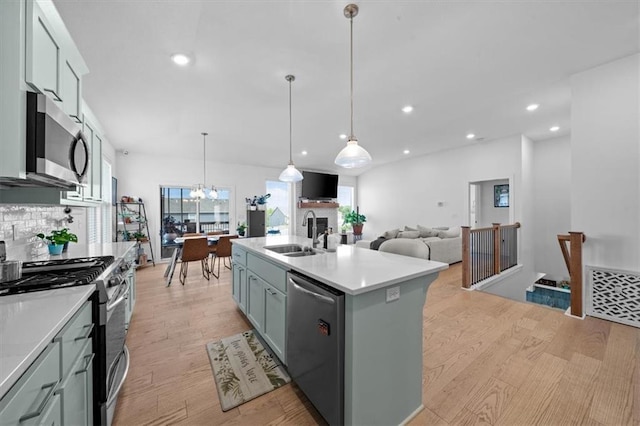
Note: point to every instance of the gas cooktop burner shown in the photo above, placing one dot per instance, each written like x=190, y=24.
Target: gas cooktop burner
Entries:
x=56, y=274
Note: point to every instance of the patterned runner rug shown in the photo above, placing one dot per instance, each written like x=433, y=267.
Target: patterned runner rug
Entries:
x=244, y=369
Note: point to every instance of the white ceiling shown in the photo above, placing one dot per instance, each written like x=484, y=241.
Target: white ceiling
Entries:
x=465, y=66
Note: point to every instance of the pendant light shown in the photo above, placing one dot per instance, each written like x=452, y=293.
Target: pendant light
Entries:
x=200, y=191
x=290, y=174
x=353, y=155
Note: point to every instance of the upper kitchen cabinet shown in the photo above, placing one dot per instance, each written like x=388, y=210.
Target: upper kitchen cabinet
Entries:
x=53, y=65
x=37, y=54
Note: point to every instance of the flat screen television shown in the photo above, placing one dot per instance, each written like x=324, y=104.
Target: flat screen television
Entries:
x=319, y=186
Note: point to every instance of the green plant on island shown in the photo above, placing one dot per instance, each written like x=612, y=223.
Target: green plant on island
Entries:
x=59, y=237
x=241, y=228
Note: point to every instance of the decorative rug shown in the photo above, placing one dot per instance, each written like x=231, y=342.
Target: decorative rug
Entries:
x=243, y=369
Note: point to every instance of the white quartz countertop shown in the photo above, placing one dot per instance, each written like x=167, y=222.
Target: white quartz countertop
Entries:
x=350, y=269
x=75, y=250
x=28, y=322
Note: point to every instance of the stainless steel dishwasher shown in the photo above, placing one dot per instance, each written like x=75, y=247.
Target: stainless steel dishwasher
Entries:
x=315, y=344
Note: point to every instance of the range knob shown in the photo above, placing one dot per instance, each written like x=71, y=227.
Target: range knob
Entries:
x=113, y=281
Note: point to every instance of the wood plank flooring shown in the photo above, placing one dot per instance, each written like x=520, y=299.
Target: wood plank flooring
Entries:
x=487, y=360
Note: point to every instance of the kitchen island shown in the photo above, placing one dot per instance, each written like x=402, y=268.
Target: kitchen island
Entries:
x=384, y=295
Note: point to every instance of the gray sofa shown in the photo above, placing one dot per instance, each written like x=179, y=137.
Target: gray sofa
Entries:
x=444, y=243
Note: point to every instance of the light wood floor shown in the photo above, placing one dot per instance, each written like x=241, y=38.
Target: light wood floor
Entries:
x=487, y=360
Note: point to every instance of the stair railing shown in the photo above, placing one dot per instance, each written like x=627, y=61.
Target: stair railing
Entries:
x=488, y=251
x=573, y=259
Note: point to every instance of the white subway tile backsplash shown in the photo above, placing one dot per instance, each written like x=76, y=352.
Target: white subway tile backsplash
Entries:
x=20, y=223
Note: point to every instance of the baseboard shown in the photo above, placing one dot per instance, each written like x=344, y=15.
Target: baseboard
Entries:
x=412, y=415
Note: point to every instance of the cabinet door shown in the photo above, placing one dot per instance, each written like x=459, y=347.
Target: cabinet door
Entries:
x=275, y=308
x=43, y=53
x=70, y=91
x=52, y=415
x=255, y=301
x=77, y=391
x=237, y=274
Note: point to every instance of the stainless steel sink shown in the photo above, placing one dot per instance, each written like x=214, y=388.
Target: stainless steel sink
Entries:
x=300, y=253
x=285, y=248
x=293, y=250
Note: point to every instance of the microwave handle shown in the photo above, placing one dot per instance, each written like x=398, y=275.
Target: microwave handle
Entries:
x=72, y=161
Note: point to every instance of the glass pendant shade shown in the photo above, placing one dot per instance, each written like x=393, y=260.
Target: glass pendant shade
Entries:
x=353, y=155
x=290, y=174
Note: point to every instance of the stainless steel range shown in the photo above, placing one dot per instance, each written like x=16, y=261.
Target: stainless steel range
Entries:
x=109, y=311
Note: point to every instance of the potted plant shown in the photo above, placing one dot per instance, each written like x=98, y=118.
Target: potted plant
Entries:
x=140, y=236
x=170, y=228
x=356, y=220
x=58, y=240
x=241, y=228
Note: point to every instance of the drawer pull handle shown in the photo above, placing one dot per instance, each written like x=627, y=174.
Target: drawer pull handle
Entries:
x=86, y=366
x=89, y=328
x=43, y=404
x=55, y=95
x=273, y=293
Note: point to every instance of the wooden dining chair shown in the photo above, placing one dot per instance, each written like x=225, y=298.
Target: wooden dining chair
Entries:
x=223, y=251
x=213, y=248
x=194, y=249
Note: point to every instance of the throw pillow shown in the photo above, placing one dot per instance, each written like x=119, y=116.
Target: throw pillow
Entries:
x=409, y=234
x=427, y=232
x=393, y=233
x=452, y=232
x=406, y=228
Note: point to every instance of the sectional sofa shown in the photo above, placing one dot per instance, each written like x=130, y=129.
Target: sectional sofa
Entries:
x=444, y=243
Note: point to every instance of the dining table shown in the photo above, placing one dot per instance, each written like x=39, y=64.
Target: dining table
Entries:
x=179, y=242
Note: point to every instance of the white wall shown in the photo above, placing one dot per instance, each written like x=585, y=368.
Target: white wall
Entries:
x=407, y=192
x=488, y=214
x=551, y=204
x=142, y=175
x=605, y=163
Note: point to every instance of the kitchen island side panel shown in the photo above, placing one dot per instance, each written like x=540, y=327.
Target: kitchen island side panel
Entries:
x=383, y=354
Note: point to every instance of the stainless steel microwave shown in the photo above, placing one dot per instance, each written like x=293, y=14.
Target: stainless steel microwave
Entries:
x=57, y=152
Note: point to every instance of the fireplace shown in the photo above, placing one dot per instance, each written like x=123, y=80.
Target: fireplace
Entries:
x=322, y=223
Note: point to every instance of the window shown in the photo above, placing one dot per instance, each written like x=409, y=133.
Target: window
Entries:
x=345, y=199
x=278, y=208
x=180, y=214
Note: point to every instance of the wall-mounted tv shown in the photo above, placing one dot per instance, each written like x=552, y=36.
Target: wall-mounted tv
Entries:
x=319, y=186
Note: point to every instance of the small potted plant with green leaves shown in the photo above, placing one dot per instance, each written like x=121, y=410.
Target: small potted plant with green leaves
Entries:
x=58, y=240
x=356, y=220
x=241, y=228
x=140, y=237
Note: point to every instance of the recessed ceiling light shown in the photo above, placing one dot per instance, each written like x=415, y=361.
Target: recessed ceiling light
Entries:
x=343, y=136
x=407, y=109
x=532, y=107
x=304, y=153
x=406, y=151
x=471, y=136
x=180, y=59
x=554, y=128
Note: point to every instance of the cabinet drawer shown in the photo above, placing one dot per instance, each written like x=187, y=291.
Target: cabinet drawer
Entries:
x=32, y=395
x=74, y=336
x=239, y=255
x=269, y=272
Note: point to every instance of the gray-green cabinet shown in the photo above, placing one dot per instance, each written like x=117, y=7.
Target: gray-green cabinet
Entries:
x=44, y=52
x=259, y=288
x=275, y=308
x=239, y=286
x=57, y=389
x=255, y=300
x=32, y=398
x=70, y=91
